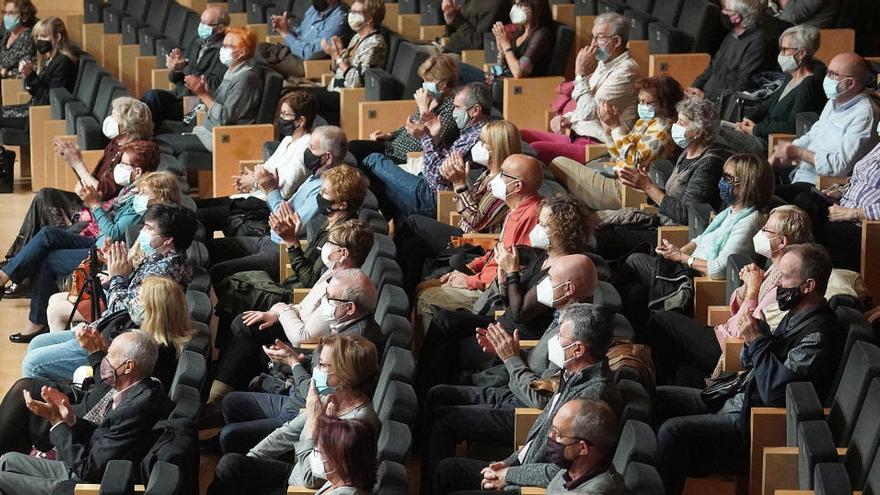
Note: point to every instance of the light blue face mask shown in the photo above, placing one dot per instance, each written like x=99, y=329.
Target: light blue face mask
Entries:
x=646, y=112
x=601, y=54
x=11, y=22
x=145, y=240
x=460, y=116
x=140, y=203
x=831, y=88
x=321, y=385
x=430, y=87
x=205, y=31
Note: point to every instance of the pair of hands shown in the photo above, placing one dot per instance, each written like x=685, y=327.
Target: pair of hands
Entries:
x=26, y=67
x=259, y=176
x=286, y=223
x=90, y=338
x=333, y=48
x=752, y=277
x=559, y=124
x=197, y=84
x=88, y=194
x=494, y=476
x=635, y=177
x=280, y=24
x=785, y=153
x=670, y=251
x=495, y=340
x=747, y=126
x=693, y=92
x=175, y=60
x=115, y=256
x=608, y=115
x=281, y=353
x=56, y=408
x=429, y=124
x=455, y=169
x=450, y=9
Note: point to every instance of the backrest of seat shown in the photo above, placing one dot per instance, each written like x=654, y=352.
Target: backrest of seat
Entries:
x=872, y=482
x=272, y=82
x=637, y=443
x=190, y=29
x=644, y=6
x=642, y=478
x=118, y=478
x=862, y=365
x=667, y=11
x=392, y=41
x=390, y=479
x=562, y=46
x=298, y=11
x=164, y=479
x=84, y=61
x=431, y=12
x=606, y=6
x=394, y=443
x=89, y=84
x=398, y=366
x=392, y=300
x=409, y=6
x=138, y=8
x=865, y=437
x=400, y=404
x=857, y=329
x=397, y=330
x=110, y=89
x=636, y=402
x=157, y=16
x=191, y=370
x=701, y=21
x=405, y=70
x=586, y=7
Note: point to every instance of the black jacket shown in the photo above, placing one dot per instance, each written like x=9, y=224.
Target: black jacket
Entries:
x=60, y=72
x=201, y=63
x=733, y=65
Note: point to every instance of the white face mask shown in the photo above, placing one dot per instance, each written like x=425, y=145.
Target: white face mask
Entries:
x=110, y=127
x=355, y=21
x=878, y=128
x=787, y=63
x=226, y=57
x=326, y=250
x=518, y=15
x=762, y=244
x=544, y=292
x=498, y=187
x=678, y=136
x=538, y=237
x=556, y=353
x=316, y=463
x=122, y=174
x=328, y=311
x=480, y=154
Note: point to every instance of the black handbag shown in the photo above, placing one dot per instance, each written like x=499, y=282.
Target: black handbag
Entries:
x=719, y=390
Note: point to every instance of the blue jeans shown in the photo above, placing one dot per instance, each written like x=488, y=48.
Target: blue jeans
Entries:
x=54, y=356
x=403, y=193
x=250, y=416
x=51, y=253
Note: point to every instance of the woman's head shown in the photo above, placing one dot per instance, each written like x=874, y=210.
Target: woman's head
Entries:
x=348, y=449
x=568, y=223
x=350, y=240
x=350, y=361
x=343, y=189
x=297, y=109
x=749, y=180
x=500, y=138
x=534, y=13
x=439, y=73
x=166, y=314
x=239, y=45
x=19, y=13
x=366, y=13
x=132, y=118
x=138, y=158
x=50, y=37
x=797, y=47
x=660, y=95
x=159, y=188
x=699, y=119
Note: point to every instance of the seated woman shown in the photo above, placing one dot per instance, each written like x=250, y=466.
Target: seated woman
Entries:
x=692, y=181
x=343, y=368
x=166, y=235
x=440, y=76
x=366, y=50
x=421, y=237
x=165, y=318
x=565, y=226
x=801, y=93
x=747, y=186
x=129, y=120
x=17, y=44
x=296, y=116
x=650, y=139
x=234, y=102
x=55, y=68
x=347, y=452
x=55, y=252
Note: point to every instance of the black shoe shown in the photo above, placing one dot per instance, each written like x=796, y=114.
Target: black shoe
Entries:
x=17, y=291
x=20, y=338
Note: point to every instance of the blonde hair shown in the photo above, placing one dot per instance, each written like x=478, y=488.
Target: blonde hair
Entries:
x=374, y=10
x=136, y=121
x=503, y=139
x=163, y=185
x=755, y=178
x=794, y=224
x=442, y=69
x=52, y=26
x=354, y=359
x=166, y=314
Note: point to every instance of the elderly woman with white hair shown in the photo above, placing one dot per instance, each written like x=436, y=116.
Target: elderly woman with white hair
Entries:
x=802, y=92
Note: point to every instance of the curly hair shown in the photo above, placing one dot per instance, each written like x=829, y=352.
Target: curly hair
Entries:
x=349, y=185
x=667, y=93
x=572, y=224
x=135, y=119
x=27, y=12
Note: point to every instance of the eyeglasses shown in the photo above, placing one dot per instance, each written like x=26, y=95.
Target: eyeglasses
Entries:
x=788, y=49
x=555, y=435
x=836, y=76
x=768, y=231
x=324, y=367
x=287, y=116
x=511, y=177
x=730, y=179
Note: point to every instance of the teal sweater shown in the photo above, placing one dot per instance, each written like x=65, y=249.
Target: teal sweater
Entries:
x=777, y=115
x=114, y=227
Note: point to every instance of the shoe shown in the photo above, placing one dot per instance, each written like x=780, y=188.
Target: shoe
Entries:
x=20, y=338
x=17, y=291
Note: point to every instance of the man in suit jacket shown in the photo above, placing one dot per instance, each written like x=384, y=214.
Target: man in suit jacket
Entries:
x=113, y=421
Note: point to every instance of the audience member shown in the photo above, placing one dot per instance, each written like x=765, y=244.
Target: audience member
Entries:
x=17, y=44
x=402, y=193
x=818, y=13
x=697, y=438
x=466, y=21
x=844, y=133
x=322, y=21
x=434, y=98
x=199, y=59
x=525, y=48
x=650, y=139
x=802, y=92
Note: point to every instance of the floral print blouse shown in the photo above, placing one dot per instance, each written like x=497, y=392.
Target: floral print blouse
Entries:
x=22, y=48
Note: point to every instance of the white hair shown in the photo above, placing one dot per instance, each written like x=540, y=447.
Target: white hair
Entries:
x=331, y=139
x=749, y=10
x=804, y=37
x=138, y=347
x=618, y=25
x=358, y=288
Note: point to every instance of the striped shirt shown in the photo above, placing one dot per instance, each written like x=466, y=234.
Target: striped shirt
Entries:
x=480, y=211
x=864, y=186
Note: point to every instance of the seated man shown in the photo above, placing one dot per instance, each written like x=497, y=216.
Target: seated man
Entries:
x=466, y=21
x=581, y=442
x=741, y=54
x=695, y=439
x=114, y=420
x=250, y=416
x=517, y=184
x=402, y=193
x=819, y=13
x=200, y=60
x=323, y=20
x=577, y=351
x=844, y=133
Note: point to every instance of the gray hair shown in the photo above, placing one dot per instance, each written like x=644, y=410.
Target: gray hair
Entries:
x=701, y=116
x=136, y=120
x=140, y=348
x=332, y=140
x=591, y=324
x=223, y=18
x=596, y=423
x=358, y=287
x=477, y=93
x=749, y=10
x=794, y=224
x=618, y=25
x=804, y=37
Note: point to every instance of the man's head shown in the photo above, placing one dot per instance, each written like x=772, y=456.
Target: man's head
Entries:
x=570, y=279
x=787, y=225
x=348, y=244
x=350, y=295
x=130, y=358
x=213, y=23
x=743, y=14
x=472, y=104
x=167, y=227
x=521, y=176
x=583, y=435
x=847, y=77
x=803, y=276
x=327, y=147
x=610, y=35
x=584, y=337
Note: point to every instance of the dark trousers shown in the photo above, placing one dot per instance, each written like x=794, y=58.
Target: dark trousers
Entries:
x=243, y=358
x=790, y=191
x=329, y=105
x=842, y=239
x=164, y=105
x=250, y=416
x=19, y=428
x=684, y=351
x=615, y=243
x=237, y=473
x=361, y=148
x=175, y=144
x=49, y=208
x=214, y=213
x=634, y=284
x=458, y=475
x=419, y=238
x=693, y=442
x=230, y=255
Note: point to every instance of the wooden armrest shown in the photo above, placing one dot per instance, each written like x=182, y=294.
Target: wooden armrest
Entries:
x=445, y=205
x=473, y=57
x=127, y=62
x=431, y=32
x=563, y=13
x=274, y=39
x=454, y=218
x=528, y=344
x=870, y=264
x=633, y=198
x=717, y=314
x=326, y=78
x=533, y=490
x=649, y=208
x=383, y=115
x=826, y=181
x=249, y=164
x=595, y=151
x=408, y=26
x=683, y=67
x=486, y=241
x=9, y=89
x=261, y=30
x=110, y=53
x=349, y=109
x=300, y=490
x=159, y=79
x=526, y=99
x=675, y=234
x=776, y=138
x=299, y=293
x=767, y=430
x=92, y=36
x=233, y=143
x=314, y=69
x=524, y=418
x=707, y=292
x=95, y=489
x=730, y=354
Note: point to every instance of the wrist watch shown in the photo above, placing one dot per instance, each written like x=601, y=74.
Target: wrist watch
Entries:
x=690, y=261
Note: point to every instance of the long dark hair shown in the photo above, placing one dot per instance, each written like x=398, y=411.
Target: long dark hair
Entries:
x=349, y=445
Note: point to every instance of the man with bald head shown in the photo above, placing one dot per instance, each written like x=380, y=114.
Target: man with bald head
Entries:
x=576, y=348
x=844, y=133
x=517, y=185
x=200, y=58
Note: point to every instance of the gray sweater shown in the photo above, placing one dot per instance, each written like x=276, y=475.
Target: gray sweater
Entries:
x=236, y=102
x=606, y=483
x=693, y=182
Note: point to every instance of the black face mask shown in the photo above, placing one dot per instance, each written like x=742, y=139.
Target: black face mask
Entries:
x=325, y=207
x=556, y=453
x=726, y=23
x=319, y=5
x=311, y=161
x=285, y=127
x=43, y=46
x=789, y=297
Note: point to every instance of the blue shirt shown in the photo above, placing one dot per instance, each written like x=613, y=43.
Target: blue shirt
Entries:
x=303, y=201
x=305, y=41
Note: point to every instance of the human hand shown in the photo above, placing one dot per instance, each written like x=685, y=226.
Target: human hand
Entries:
x=837, y=213
x=833, y=192
x=91, y=339
x=785, y=153
x=450, y=10
x=380, y=136
x=267, y=182
x=494, y=479
x=197, y=84
x=118, y=263
x=314, y=406
x=263, y=318
x=507, y=258
x=586, y=61
x=61, y=402
x=752, y=277
x=746, y=126
x=432, y=121
x=502, y=39
x=748, y=325
x=669, y=251
x=635, y=178
x=559, y=124
x=338, y=44
x=280, y=24
x=484, y=342
x=455, y=169
x=25, y=67
x=505, y=345
x=280, y=352
x=417, y=129
x=45, y=410
x=68, y=151
x=175, y=60
x=423, y=100
x=454, y=279
x=693, y=92
x=90, y=196
x=608, y=115
x=245, y=182
x=286, y=223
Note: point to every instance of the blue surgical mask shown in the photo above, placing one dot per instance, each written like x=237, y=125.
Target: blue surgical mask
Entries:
x=430, y=87
x=461, y=118
x=205, y=31
x=646, y=112
x=678, y=136
x=145, y=240
x=725, y=189
x=601, y=54
x=11, y=22
x=140, y=203
x=321, y=385
x=831, y=88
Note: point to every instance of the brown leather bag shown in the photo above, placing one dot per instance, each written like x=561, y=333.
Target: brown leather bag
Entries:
x=625, y=354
